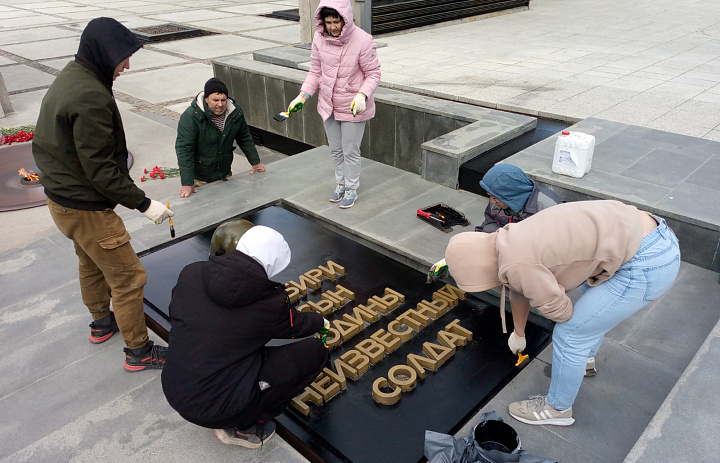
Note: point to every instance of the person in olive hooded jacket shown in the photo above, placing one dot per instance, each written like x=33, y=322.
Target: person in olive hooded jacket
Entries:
x=205, y=136
x=219, y=372
x=79, y=147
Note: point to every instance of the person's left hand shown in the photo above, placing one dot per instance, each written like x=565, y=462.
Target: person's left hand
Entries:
x=257, y=167
x=358, y=104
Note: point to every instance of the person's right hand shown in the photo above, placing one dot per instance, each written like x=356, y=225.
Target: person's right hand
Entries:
x=298, y=103
x=157, y=212
x=187, y=190
x=516, y=343
x=438, y=271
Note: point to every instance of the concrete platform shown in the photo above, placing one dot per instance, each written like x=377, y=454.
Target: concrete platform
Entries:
x=639, y=363
x=638, y=64
x=673, y=175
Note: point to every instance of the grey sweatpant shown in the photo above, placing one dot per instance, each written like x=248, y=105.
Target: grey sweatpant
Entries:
x=344, y=138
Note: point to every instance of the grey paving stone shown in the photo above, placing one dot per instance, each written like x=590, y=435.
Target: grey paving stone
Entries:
x=233, y=23
x=144, y=58
x=686, y=415
x=55, y=264
x=61, y=409
x=49, y=49
x=593, y=184
x=392, y=226
x=707, y=175
x=638, y=380
x=162, y=85
x=284, y=56
x=663, y=167
x=620, y=152
x=59, y=63
x=214, y=45
x=196, y=14
x=21, y=77
x=680, y=321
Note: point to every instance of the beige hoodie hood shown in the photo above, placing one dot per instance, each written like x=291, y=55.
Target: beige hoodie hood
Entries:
x=472, y=260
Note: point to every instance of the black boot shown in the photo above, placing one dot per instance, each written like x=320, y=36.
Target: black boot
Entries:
x=149, y=356
x=101, y=330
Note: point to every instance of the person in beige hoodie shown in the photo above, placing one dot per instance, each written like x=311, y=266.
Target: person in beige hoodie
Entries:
x=622, y=257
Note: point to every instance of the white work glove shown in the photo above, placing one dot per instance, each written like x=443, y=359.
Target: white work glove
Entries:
x=358, y=104
x=326, y=323
x=157, y=212
x=516, y=343
x=298, y=103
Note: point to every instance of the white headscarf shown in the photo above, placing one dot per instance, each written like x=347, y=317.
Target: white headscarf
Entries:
x=267, y=247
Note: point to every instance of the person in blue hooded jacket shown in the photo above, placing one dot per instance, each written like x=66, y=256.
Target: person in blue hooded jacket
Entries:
x=513, y=197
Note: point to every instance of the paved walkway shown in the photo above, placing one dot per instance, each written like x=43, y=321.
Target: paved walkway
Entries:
x=649, y=63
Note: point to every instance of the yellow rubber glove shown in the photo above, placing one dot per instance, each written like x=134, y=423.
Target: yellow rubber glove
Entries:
x=358, y=104
x=298, y=103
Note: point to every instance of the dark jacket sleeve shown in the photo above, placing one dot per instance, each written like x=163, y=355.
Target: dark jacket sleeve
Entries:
x=246, y=143
x=489, y=225
x=299, y=324
x=92, y=128
x=186, y=146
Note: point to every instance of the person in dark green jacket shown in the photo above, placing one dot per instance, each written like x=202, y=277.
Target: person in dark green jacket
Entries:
x=79, y=148
x=205, y=136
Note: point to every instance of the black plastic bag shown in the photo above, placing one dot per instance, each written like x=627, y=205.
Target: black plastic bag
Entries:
x=499, y=443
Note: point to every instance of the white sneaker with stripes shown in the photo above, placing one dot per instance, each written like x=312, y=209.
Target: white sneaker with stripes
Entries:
x=538, y=411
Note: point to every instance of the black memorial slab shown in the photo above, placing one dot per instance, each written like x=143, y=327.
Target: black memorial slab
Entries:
x=352, y=427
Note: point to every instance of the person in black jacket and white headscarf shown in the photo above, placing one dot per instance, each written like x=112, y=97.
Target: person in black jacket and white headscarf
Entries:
x=218, y=372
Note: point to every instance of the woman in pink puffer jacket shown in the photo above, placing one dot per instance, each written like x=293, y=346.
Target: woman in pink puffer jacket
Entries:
x=344, y=64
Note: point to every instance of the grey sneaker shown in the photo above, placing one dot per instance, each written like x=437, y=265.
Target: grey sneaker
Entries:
x=590, y=367
x=349, y=199
x=338, y=194
x=538, y=411
x=252, y=438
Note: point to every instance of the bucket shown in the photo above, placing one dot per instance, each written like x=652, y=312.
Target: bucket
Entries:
x=573, y=153
x=496, y=435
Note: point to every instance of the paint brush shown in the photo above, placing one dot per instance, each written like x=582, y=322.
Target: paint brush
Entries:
x=280, y=117
x=172, y=228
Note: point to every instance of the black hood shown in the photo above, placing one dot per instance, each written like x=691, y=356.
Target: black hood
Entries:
x=235, y=280
x=104, y=44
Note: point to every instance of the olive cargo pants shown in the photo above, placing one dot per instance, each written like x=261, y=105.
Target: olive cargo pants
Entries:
x=108, y=267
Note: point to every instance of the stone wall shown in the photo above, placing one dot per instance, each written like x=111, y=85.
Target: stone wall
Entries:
x=426, y=136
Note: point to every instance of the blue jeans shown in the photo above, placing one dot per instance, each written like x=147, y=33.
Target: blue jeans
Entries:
x=642, y=279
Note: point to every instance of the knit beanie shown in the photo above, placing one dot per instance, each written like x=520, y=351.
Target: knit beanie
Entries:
x=215, y=85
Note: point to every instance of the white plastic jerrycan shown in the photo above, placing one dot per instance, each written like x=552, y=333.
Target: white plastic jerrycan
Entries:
x=573, y=153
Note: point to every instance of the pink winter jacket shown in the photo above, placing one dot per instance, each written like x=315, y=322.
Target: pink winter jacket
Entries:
x=342, y=66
